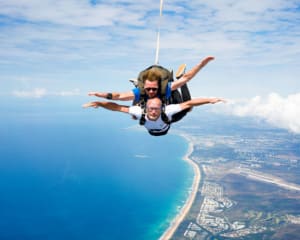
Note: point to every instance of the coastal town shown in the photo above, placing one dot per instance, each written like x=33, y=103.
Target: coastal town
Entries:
x=209, y=218
x=216, y=211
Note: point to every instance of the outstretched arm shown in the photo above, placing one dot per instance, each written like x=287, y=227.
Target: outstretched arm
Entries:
x=200, y=101
x=108, y=105
x=191, y=73
x=126, y=96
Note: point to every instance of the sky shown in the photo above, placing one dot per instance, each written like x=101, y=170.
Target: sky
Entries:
x=69, y=47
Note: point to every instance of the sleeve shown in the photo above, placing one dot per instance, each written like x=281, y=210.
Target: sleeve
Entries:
x=136, y=93
x=172, y=109
x=135, y=111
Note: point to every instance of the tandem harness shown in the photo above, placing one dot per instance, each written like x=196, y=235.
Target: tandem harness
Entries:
x=166, y=95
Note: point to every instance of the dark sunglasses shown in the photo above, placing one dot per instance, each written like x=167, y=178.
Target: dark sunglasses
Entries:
x=151, y=89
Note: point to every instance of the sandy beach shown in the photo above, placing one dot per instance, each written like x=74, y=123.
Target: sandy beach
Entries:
x=186, y=207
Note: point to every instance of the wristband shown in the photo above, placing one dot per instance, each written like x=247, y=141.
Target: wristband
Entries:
x=109, y=96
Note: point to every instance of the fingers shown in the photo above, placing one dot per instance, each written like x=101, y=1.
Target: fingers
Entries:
x=86, y=105
x=216, y=100
x=207, y=59
x=90, y=104
x=221, y=100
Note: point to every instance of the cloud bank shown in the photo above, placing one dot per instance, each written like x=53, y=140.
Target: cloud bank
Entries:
x=35, y=93
x=275, y=109
x=42, y=92
x=96, y=44
x=244, y=30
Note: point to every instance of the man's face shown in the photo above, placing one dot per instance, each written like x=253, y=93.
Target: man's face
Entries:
x=153, y=109
x=151, y=88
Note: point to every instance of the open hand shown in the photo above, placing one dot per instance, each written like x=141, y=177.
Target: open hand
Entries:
x=92, y=93
x=90, y=104
x=216, y=100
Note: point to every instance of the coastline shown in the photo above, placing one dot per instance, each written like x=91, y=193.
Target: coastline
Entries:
x=189, y=202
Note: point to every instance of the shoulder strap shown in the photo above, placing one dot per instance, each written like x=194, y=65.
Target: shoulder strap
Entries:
x=143, y=117
x=163, y=115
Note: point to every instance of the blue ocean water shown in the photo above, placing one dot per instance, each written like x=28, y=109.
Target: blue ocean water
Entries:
x=86, y=175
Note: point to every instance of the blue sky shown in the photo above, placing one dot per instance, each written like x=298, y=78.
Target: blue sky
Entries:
x=69, y=47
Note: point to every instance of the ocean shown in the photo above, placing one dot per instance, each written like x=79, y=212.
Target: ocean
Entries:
x=87, y=174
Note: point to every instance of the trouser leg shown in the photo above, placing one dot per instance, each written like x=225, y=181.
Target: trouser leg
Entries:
x=185, y=93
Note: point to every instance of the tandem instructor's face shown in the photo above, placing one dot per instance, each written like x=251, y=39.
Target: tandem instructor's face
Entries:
x=153, y=109
x=151, y=88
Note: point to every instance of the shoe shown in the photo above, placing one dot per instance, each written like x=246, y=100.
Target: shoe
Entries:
x=180, y=71
x=134, y=81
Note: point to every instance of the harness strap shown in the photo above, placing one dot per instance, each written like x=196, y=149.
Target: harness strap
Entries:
x=164, y=117
x=143, y=117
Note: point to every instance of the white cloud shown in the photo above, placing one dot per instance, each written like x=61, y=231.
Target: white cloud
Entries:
x=79, y=30
x=74, y=92
x=67, y=12
x=275, y=109
x=40, y=38
x=35, y=93
x=42, y=92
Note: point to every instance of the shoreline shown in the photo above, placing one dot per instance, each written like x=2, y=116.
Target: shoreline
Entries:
x=190, y=200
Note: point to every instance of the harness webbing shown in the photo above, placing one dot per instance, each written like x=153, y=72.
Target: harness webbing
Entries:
x=158, y=33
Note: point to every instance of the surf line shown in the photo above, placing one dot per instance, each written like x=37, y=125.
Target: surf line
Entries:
x=190, y=200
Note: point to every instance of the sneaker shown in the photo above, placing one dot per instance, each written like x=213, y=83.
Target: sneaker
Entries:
x=134, y=81
x=180, y=71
